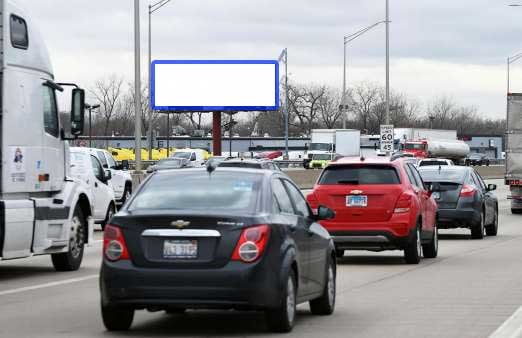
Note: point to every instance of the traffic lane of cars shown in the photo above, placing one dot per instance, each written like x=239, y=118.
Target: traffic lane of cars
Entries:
x=365, y=305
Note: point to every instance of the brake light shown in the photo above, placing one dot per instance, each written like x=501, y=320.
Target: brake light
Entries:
x=114, y=247
x=251, y=244
x=467, y=191
x=403, y=204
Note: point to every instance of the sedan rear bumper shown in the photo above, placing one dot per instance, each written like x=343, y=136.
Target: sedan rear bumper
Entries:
x=457, y=218
x=236, y=285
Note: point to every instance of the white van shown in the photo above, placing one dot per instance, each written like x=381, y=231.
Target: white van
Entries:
x=86, y=167
x=121, y=180
x=195, y=156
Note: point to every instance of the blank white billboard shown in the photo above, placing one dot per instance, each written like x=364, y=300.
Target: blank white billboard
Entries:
x=224, y=85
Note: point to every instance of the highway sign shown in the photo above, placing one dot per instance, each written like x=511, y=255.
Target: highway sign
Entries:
x=387, y=138
x=214, y=85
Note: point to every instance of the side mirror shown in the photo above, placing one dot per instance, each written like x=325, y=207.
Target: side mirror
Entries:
x=492, y=187
x=324, y=213
x=107, y=174
x=125, y=165
x=77, y=111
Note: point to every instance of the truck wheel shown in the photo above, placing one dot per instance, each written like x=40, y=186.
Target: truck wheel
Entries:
x=477, y=230
x=325, y=304
x=492, y=229
x=282, y=318
x=117, y=318
x=108, y=215
x=339, y=253
x=72, y=259
x=126, y=193
x=431, y=249
x=413, y=250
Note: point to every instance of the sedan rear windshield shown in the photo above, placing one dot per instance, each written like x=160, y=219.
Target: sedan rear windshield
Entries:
x=443, y=175
x=360, y=175
x=220, y=191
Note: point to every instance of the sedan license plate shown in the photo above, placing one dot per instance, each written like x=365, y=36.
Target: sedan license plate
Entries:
x=356, y=201
x=436, y=195
x=180, y=249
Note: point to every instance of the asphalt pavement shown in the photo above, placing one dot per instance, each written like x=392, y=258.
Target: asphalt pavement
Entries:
x=468, y=291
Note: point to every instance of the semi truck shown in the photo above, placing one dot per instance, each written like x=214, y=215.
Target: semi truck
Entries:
x=455, y=150
x=345, y=142
x=42, y=209
x=513, y=176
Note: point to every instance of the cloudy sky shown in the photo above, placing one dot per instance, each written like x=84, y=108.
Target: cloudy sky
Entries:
x=438, y=47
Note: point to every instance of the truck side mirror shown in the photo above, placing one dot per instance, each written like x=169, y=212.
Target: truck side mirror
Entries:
x=77, y=111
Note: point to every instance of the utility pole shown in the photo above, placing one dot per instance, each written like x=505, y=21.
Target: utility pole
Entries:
x=137, y=86
x=387, y=61
x=91, y=107
x=343, y=97
x=284, y=57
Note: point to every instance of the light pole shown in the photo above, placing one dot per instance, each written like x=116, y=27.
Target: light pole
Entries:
x=137, y=86
x=91, y=107
x=348, y=39
x=152, y=8
x=511, y=60
x=284, y=57
x=387, y=62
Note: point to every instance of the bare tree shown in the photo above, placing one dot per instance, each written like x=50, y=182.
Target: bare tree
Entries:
x=107, y=91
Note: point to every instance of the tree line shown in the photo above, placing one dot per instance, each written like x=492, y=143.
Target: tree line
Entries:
x=310, y=107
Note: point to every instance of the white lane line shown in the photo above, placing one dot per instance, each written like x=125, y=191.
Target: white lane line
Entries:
x=48, y=285
x=511, y=328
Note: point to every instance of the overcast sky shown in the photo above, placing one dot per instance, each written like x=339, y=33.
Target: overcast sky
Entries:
x=438, y=47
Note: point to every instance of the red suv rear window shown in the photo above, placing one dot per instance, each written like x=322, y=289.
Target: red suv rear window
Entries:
x=357, y=174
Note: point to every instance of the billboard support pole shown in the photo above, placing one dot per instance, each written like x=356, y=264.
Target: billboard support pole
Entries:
x=216, y=133
x=168, y=134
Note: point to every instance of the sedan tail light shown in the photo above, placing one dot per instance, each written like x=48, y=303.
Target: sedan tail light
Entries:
x=251, y=244
x=403, y=204
x=114, y=247
x=467, y=191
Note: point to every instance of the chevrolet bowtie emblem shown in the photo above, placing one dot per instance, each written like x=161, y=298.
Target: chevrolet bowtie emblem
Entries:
x=356, y=192
x=180, y=224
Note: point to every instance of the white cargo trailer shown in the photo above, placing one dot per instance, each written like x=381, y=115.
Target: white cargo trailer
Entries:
x=43, y=210
x=348, y=142
x=513, y=176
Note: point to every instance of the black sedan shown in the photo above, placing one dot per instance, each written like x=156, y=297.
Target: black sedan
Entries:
x=463, y=199
x=477, y=159
x=227, y=238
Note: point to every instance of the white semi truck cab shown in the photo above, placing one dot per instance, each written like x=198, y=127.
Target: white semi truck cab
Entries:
x=42, y=209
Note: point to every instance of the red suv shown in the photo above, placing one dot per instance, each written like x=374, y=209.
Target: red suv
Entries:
x=379, y=205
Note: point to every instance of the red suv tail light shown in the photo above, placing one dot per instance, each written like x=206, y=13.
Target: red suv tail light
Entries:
x=251, y=244
x=313, y=201
x=114, y=247
x=467, y=191
x=403, y=204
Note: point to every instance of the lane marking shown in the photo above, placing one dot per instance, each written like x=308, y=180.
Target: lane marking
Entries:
x=48, y=285
x=511, y=328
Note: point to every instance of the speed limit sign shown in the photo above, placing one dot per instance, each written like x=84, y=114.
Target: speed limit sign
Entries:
x=386, y=138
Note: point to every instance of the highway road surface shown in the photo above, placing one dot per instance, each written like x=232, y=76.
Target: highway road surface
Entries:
x=470, y=290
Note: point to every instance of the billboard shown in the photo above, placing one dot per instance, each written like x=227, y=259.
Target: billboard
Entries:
x=214, y=85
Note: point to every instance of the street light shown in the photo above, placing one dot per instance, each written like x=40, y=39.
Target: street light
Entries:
x=511, y=60
x=91, y=107
x=284, y=57
x=152, y=8
x=348, y=39
x=137, y=86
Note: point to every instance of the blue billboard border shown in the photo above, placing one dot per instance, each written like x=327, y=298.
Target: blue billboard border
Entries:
x=182, y=109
